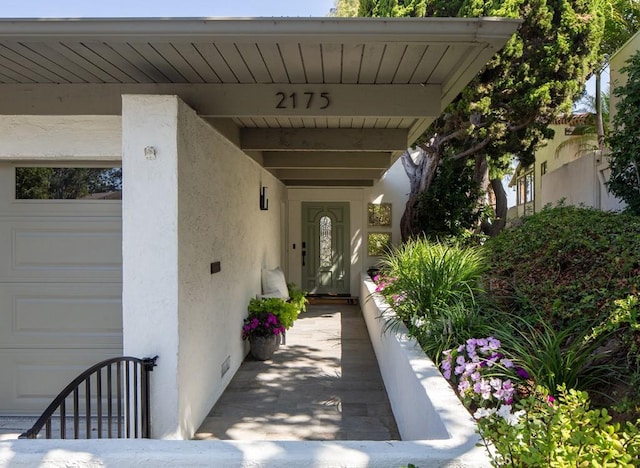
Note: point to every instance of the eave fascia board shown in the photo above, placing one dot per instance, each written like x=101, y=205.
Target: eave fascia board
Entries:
x=343, y=30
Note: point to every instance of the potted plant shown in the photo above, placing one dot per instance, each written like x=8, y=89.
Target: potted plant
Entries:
x=297, y=297
x=263, y=330
x=285, y=312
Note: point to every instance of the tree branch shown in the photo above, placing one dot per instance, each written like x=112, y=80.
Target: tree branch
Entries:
x=474, y=149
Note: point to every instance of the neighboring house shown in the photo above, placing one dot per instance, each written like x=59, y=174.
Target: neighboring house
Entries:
x=573, y=172
x=244, y=144
x=616, y=63
x=568, y=168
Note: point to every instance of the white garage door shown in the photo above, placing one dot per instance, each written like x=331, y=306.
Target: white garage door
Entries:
x=60, y=292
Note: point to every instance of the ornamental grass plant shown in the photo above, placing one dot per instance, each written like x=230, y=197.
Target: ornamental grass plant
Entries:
x=425, y=279
x=572, y=357
x=435, y=290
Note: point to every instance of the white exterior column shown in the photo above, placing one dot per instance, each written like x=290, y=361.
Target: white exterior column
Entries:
x=190, y=201
x=150, y=295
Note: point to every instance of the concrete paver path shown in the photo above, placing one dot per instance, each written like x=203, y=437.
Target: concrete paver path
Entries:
x=324, y=384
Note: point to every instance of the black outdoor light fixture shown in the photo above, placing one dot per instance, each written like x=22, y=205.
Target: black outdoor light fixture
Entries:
x=264, y=202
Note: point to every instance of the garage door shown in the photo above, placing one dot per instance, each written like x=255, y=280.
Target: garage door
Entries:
x=60, y=291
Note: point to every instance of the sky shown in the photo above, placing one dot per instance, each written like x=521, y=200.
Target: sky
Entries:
x=162, y=8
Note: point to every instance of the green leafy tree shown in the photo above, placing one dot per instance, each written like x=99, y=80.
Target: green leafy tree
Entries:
x=624, y=141
x=393, y=8
x=507, y=109
x=345, y=8
x=33, y=182
x=442, y=212
x=63, y=183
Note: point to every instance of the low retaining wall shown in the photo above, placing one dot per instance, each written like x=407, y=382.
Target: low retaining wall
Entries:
x=436, y=429
x=423, y=403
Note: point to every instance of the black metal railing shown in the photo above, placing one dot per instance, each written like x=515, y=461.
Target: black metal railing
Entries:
x=115, y=403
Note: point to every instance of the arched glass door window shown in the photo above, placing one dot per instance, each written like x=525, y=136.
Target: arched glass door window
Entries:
x=326, y=252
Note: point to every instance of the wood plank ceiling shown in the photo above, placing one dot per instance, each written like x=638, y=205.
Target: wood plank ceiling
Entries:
x=316, y=101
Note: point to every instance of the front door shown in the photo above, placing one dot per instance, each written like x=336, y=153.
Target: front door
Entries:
x=325, y=248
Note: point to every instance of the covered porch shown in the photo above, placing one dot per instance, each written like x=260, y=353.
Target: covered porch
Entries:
x=315, y=419
x=324, y=384
x=203, y=115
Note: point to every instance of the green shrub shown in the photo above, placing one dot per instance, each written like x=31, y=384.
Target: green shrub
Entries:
x=449, y=208
x=566, y=263
x=559, y=433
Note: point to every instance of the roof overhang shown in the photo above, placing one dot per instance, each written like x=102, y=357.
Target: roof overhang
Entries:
x=317, y=101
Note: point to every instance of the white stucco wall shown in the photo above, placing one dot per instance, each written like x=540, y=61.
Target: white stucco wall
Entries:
x=82, y=137
x=195, y=204
x=616, y=63
x=392, y=188
x=579, y=182
x=424, y=405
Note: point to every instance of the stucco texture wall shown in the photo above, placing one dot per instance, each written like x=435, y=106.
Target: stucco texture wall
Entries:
x=617, y=61
x=194, y=204
x=60, y=137
x=220, y=220
x=392, y=188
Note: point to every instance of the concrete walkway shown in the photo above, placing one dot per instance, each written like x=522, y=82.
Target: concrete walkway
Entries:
x=324, y=384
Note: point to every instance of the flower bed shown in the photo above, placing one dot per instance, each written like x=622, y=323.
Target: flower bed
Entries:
x=423, y=403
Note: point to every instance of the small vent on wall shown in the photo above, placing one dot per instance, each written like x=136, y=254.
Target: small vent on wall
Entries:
x=224, y=368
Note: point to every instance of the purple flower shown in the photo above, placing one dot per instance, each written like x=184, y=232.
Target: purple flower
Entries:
x=522, y=373
x=495, y=383
x=463, y=386
x=493, y=343
x=483, y=388
x=507, y=363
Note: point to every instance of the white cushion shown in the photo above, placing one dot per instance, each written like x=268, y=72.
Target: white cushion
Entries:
x=274, y=283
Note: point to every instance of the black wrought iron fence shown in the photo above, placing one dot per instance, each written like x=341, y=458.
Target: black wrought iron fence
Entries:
x=108, y=400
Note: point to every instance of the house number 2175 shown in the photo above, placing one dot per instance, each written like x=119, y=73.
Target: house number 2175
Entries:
x=306, y=100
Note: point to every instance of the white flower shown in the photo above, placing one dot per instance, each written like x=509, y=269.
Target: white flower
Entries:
x=512, y=418
x=483, y=412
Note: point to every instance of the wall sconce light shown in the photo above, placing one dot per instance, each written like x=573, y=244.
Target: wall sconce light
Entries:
x=264, y=202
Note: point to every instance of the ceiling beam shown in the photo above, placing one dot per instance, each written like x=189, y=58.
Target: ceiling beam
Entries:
x=327, y=174
x=327, y=183
x=230, y=100
x=325, y=160
x=322, y=139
